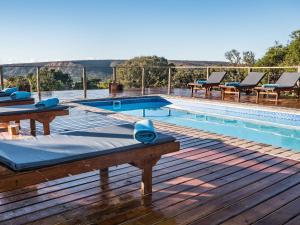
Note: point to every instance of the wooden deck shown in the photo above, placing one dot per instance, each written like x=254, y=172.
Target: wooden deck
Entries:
x=213, y=180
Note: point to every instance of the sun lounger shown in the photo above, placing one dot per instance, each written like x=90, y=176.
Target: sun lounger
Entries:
x=35, y=160
x=30, y=112
x=286, y=82
x=7, y=101
x=250, y=82
x=214, y=80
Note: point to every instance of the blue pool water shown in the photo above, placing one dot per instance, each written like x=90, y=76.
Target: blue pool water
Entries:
x=274, y=128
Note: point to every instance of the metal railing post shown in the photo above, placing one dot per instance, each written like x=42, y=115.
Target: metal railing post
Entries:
x=114, y=75
x=38, y=83
x=1, y=77
x=84, y=82
x=169, y=81
x=207, y=72
x=143, y=81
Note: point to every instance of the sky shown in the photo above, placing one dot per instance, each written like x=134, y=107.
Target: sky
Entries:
x=47, y=30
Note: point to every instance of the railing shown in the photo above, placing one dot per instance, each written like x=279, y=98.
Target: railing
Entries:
x=170, y=72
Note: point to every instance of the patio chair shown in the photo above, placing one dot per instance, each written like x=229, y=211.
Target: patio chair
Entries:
x=250, y=82
x=286, y=82
x=35, y=160
x=214, y=80
x=7, y=101
x=30, y=112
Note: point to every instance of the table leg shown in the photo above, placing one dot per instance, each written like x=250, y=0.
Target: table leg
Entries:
x=46, y=126
x=146, y=185
x=32, y=127
x=104, y=178
x=18, y=122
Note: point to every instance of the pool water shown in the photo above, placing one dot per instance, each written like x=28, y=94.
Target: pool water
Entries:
x=276, y=134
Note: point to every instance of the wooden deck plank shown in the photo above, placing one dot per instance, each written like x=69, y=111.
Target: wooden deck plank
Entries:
x=190, y=198
x=259, y=211
x=249, y=202
x=282, y=215
x=295, y=220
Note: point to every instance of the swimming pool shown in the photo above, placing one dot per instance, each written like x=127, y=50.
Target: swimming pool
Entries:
x=276, y=128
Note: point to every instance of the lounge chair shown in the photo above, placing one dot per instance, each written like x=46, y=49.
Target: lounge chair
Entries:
x=286, y=82
x=30, y=112
x=214, y=80
x=7, y=101
x=35, y=160
x=250, y=82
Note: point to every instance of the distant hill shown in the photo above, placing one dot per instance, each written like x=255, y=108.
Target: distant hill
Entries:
x=94, y=68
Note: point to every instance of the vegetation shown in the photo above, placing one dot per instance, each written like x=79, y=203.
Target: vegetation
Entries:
x=18, y=81
x=51, y=80
x=156, y=72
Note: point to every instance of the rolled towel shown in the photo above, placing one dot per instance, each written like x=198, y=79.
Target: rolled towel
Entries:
x=270, y=85
x=47, y=103
x=233, y=84
x=20, y=95
x=144, y=132
x=201, y=82
x=11, y=90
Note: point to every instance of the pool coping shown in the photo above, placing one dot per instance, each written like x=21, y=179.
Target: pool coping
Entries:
x=281, y=152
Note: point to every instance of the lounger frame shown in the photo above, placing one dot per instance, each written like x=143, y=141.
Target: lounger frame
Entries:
x=275, y=91
x=143, y=158
x=247, y=88
x=234, y=91
x=206, y=87
x=209, y=85
x=44, y=117
x=17, y=102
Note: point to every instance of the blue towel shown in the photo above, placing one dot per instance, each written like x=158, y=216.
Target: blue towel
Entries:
x=201, y=81
x=20, y=95
x=47, y=103
x=233, y=84
x=270, y=85
x=144, y=131
x=11, y=90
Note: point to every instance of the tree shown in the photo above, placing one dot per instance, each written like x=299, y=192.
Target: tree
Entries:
x=156, y=72
x=184, y=76
x=249, y=58
x=275, y=56
x=51, y=80
x=292, y=56
x=233, y=56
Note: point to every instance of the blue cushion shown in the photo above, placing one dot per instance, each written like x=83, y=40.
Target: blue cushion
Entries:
x=11, y=90
x=233, y=84
x=43, y=151
x=20, y=95
x=51, y=102
x=144, y=131
x=270, y=85
x=201, y=81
